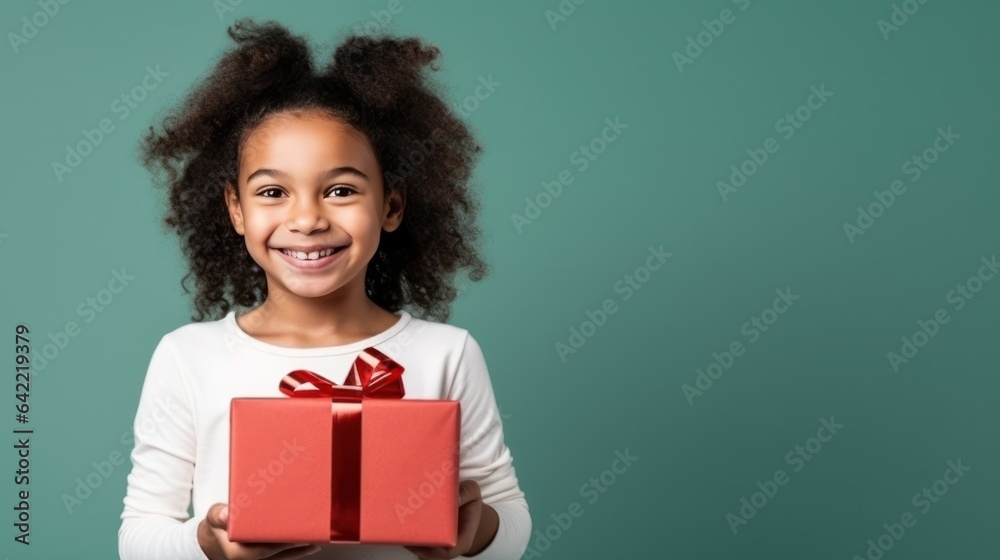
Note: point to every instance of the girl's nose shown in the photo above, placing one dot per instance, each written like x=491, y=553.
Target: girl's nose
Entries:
x=306, y=216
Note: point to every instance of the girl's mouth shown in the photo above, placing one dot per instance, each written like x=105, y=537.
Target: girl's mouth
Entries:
x=315, y=259
x=310, y=256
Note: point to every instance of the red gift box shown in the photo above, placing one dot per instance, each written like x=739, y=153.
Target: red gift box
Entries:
x=352, y=463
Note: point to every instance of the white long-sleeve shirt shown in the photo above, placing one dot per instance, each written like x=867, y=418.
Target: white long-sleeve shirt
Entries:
x=181, y=453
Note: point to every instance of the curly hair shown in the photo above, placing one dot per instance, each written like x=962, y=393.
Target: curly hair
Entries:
x=376, y=85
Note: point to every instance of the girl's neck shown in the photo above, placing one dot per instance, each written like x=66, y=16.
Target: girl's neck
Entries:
x=308, y=323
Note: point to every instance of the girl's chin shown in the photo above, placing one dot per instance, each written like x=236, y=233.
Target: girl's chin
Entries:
x=305, y=283
x=305, y=287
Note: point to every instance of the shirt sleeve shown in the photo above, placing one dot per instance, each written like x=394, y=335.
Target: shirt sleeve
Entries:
x=155, y=520
x=485, y=458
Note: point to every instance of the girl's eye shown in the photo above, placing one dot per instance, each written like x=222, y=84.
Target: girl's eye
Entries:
x=343, y=189
x=276, y=192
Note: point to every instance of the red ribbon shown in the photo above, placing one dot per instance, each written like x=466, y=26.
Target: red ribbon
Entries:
x=373, y=375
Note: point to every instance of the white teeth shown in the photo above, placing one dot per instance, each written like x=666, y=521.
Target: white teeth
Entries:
x=309, y=256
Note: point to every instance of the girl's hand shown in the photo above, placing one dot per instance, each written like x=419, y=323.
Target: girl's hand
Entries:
x=477, y=525
x=214, y=540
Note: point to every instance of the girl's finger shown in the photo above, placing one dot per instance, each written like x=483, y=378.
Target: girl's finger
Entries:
x=293, y=553
x=468, y=523
x=428, y=553
x=215, y=516
x=272, y=550
x=468, y=491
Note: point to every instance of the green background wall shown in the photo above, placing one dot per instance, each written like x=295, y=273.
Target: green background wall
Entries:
x=655, y=186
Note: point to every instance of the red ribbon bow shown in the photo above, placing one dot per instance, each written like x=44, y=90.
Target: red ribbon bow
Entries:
x=373, y=375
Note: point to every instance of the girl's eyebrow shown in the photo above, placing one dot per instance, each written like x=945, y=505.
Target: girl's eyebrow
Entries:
x=329, y=174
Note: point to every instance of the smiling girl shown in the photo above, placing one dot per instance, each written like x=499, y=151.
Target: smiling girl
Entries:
x=312, y=207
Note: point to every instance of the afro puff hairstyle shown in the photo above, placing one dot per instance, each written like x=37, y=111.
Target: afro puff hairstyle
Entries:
x=375, y=84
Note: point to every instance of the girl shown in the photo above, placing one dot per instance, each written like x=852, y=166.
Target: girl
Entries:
x=288, y=189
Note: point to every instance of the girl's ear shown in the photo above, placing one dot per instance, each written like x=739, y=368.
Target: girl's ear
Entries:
x=393, y=209
x=235, y=210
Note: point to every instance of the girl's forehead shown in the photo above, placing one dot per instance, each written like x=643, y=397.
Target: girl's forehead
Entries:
x=306, y=135
x=299, y=122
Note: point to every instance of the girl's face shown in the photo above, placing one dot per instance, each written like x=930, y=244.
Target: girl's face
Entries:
x=311, y=205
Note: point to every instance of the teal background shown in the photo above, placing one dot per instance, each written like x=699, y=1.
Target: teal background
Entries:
x=654, y=185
